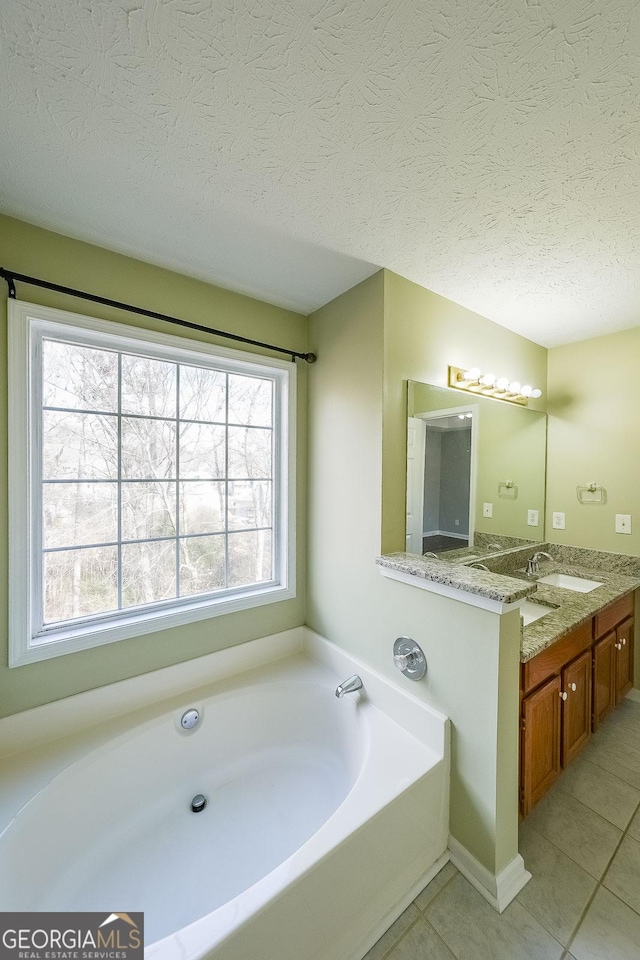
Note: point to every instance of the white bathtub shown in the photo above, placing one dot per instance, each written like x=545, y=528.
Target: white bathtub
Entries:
x=325, y=817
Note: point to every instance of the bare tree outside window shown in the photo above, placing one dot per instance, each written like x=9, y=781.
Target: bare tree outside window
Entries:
x=157, y=480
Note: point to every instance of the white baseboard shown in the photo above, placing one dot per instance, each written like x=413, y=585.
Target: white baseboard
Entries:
x=634, y=694
x=497, y=889
x=445, y=533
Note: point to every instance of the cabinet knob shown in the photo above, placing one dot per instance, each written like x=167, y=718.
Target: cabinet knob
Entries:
x=572, y=686
x=618, y=646
x=623, y=641
x=564, y=695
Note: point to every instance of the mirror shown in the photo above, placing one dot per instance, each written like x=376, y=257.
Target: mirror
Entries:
x=475, y=473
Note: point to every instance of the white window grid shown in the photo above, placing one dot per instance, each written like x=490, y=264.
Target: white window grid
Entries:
x=29, y=639
x=177, y=420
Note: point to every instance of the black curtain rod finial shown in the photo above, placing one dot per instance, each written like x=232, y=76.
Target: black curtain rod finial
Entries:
x=310, y=357
x=10, y=284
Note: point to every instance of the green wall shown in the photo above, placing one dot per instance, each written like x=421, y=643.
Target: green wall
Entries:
x=593, y=436
x=424, y=334
x=30, y=250
x=469, y=651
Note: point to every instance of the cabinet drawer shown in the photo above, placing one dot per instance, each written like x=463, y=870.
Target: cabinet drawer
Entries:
x=614, y=614
x=553, y=659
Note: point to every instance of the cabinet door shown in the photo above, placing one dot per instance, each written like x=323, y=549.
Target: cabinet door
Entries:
x=624, y=658
x=540, y=742
x=604, y=678
x=576, y=706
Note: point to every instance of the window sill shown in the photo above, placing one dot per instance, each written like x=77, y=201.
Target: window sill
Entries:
x=85, y=636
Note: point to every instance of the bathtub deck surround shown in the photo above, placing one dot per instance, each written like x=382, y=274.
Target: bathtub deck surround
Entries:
x=324, y=817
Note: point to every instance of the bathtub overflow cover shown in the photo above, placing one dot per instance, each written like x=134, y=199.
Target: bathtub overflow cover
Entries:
x=189, y=719
x=198, y=803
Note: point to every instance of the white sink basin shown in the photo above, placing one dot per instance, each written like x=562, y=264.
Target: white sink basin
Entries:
x=530, y=611
x=579, y=584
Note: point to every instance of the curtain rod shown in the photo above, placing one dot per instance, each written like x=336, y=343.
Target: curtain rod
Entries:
x=12, y=277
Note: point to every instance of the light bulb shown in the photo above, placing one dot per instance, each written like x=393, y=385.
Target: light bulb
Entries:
x=472, y=374
x=488, y=380
x=502, y=383
x=526, y=390
x=536, y=393
x=515, y=387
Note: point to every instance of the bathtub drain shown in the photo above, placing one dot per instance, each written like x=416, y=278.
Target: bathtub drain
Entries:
x=198, y=803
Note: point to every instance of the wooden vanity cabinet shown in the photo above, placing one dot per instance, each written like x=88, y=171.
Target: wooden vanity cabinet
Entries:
x=566, y=693
x=604, y=678
x=624, y=658
x=539, y=742
x=575, y=697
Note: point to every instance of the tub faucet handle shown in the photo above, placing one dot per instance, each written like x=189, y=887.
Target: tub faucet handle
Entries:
x=409, y=658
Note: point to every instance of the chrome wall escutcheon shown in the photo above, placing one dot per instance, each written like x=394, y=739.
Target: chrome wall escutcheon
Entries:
x=409, y=658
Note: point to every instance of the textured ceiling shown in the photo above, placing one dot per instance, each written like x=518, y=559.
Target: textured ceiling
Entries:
x=488, y=149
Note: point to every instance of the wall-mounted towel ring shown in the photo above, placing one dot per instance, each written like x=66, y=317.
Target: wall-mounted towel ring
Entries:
x=591, y=493
x=508, y=490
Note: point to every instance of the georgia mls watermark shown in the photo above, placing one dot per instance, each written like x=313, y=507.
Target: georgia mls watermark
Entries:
x=71, y=936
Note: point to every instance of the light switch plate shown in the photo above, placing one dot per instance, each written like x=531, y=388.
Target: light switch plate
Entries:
x=487, y=509
x=558, y=521
x=532, y=518
x=623, y=523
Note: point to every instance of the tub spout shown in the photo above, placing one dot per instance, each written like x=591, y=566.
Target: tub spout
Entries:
x=349, y=686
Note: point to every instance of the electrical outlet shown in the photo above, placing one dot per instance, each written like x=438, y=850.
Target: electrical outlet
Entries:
x=457, y=523
x=487, y=509
x=532, y=518
x=623, y=523
x=558, y=521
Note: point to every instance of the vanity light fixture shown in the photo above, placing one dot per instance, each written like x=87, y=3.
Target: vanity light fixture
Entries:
x=488, y=385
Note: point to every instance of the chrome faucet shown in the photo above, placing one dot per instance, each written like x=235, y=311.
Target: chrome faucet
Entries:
x=480, y=566
x=533, y=564
x=430, y=553
x=497, y=545
x=349, y=686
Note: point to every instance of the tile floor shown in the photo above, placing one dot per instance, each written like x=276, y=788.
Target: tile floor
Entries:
x=582, y=847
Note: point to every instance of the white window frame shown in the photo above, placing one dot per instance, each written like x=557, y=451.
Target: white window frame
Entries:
x=28, y=642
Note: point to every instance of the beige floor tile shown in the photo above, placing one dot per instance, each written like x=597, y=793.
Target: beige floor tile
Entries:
x=559, y=889
x=440, y=880
x=393, y=934
x=610, y=931
x=615, y=756
x=584, y=836
x=421, y=943
x=473, y=930
x=623, y=876
x=624, y=723
x=634, y=827
x=612, y=798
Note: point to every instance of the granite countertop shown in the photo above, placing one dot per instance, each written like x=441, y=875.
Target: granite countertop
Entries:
x=573, y=607
x=493, y=586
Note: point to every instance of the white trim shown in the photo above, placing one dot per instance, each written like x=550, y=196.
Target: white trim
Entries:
x=27, y=323
x=634, y=694
x=444, y=533
x=455, y=593
x=473, y=408
x=497, y=889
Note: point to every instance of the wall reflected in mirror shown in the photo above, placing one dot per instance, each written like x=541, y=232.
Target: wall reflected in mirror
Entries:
x=475, y=474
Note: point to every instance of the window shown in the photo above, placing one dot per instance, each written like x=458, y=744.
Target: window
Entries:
x=159, y=474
